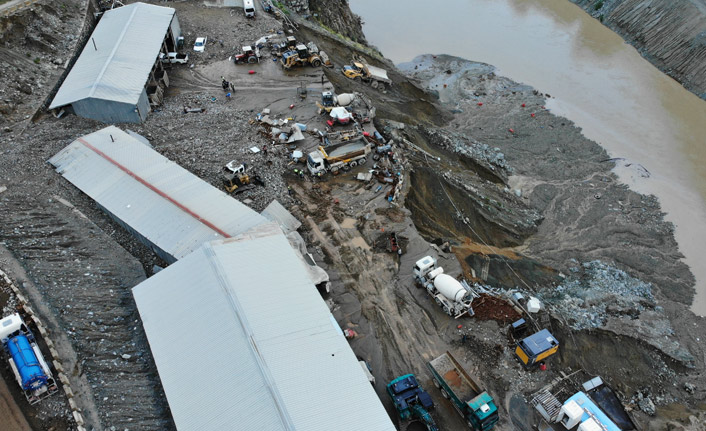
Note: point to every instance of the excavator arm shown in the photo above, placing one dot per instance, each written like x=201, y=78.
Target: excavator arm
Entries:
x=422, y=414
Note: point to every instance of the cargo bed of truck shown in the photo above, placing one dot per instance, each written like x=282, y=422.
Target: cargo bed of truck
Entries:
x=454, y=375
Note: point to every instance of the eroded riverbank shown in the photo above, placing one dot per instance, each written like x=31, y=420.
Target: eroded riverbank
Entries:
x=593, y=77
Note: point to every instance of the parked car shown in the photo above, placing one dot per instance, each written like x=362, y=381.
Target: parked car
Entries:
x=173, y=57
x=200, y=44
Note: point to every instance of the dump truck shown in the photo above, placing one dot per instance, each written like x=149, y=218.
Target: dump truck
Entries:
x=26, y=360
x=375, y=76
x=300, y=56
x=451, y=295
x=475, y=405
x=343, y=155
x=411, y=400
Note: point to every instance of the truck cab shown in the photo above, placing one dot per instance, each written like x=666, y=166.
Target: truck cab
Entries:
x=315, y=163
x=354, y=71
x=424, y=266
x=249, y=8
x=483, y=414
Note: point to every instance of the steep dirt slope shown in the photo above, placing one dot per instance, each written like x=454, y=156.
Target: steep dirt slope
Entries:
x=669, y=33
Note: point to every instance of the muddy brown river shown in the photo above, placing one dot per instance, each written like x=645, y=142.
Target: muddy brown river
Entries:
x=594, y=78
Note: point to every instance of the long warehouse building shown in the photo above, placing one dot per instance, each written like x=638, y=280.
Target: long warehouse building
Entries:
x=243, y=341
x=168, y=208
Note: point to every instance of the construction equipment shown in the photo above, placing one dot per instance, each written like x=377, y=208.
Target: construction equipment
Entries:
x=236, y=180
x=249, y=54
x=329, y=100
x=300, y=56
x=579, y=410
x=475, y=405
x=411, y=400
x=267, y=6
x=343, y=155
x=534, y=349
x=339, y=115
x=452, y=296
x=26, y=360
x=302, y=91
x=375, y=76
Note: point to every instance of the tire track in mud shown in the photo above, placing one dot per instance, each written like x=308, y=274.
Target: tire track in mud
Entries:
x=403, y=333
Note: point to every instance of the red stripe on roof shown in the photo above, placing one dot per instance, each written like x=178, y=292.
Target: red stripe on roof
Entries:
x=155, y=189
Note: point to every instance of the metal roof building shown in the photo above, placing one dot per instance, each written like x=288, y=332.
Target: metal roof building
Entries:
x=279, y=214
x=110, y=79
x=243, y=341
x=167, y=207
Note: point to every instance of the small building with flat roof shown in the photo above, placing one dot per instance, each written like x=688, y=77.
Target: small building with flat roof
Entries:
x=118, y=74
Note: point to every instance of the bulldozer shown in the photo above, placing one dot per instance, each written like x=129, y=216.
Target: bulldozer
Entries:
x=236, y=179
x=300, y=56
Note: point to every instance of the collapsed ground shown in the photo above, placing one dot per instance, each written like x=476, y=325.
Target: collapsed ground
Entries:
x=537, y=205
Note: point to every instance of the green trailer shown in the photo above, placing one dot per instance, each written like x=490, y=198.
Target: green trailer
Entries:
x=476, y=406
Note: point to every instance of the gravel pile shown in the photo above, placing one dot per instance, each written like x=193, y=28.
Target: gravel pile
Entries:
x=596, y=290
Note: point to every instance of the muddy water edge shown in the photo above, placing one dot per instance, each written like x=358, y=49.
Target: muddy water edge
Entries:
x=556, y=206
x=646, y=120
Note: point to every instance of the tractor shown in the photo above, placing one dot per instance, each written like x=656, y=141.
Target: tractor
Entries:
x=249, y=55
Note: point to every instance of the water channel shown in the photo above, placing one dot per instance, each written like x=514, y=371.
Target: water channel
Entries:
x=595, y=79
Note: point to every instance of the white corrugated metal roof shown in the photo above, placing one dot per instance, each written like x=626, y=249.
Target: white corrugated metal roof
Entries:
x=279, y=214
x=127, y=42
x=243, y=340
x=165, y=203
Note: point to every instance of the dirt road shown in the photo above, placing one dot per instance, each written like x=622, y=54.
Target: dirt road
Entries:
x=13, y=418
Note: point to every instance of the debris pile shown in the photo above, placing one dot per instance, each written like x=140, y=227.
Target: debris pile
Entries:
x=597, y=290
x=490, y=307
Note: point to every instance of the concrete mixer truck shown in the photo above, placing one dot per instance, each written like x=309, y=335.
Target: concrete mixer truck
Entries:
x=453, y=297
x=26, y=360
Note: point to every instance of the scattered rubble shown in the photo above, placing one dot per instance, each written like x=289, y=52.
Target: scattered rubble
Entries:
x=594, y=290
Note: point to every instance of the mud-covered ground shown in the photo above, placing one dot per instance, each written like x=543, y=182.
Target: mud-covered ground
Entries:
x=536, y=205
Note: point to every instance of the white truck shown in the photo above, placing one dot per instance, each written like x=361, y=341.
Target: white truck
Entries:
x=452, y=296
x=173, y=57
x=249, y=8
x=343, y=155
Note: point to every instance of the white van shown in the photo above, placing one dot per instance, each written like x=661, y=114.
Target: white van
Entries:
x=249, y=8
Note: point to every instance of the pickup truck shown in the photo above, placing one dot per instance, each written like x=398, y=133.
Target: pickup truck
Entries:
x=173, y=58
x=475, y=405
